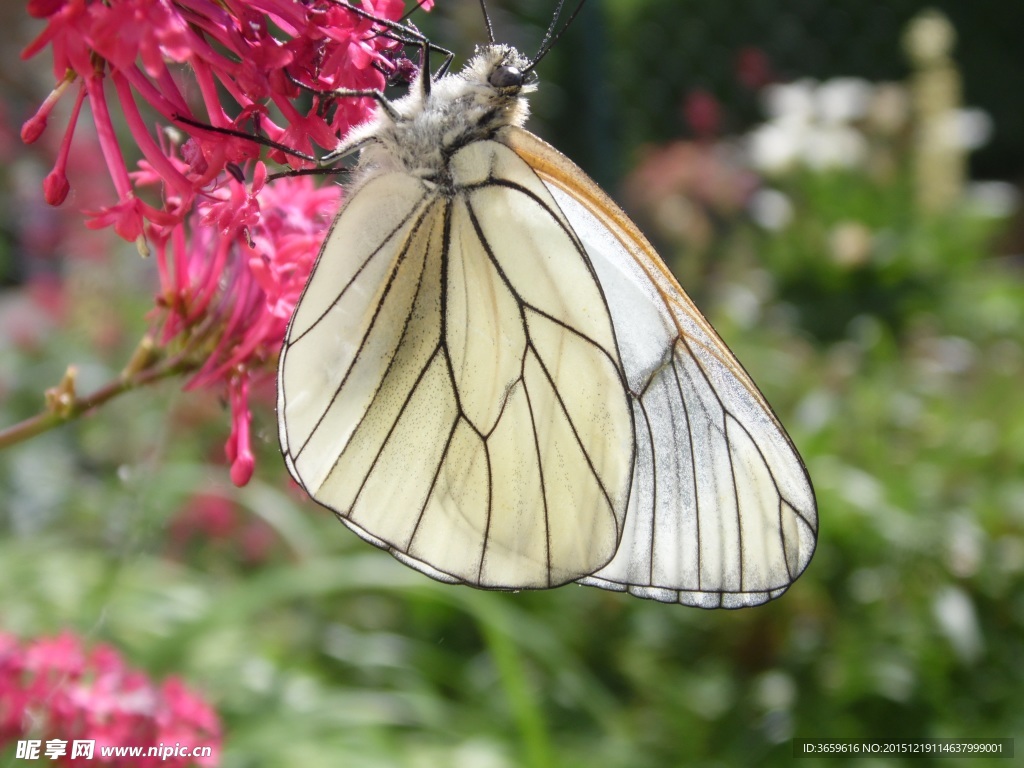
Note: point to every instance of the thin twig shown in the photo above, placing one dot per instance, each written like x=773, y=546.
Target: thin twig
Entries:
x=63, y=405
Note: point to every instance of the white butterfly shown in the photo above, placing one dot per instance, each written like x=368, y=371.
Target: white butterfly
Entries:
x=492, y=375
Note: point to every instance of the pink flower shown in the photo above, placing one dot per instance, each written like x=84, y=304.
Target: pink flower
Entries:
x=235, y=206
x=210, y=521
x=233, y=250
x=237, y=448
x=239, y=275
x=55, y=688
x=126, y=216
x=703, y=113
x=754, y=68
x=705, y=179
x=210, y=515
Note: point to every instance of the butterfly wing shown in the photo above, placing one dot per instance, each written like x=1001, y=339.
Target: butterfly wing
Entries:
x=721, y=511
x=450, y=384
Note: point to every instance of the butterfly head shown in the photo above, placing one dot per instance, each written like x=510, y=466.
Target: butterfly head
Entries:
x=418, y=133
x=494, y=84
x=502, y=68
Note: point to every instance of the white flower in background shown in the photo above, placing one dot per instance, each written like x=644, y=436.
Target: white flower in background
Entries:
x=850, y=244
x=770, y=208
x=810, y=125
x=835, y=146
x=776, y=147
x=843, y=100
x=954, y=612
x=968, y=129
x=992, y=199
x=790, y=101
x=849, y=123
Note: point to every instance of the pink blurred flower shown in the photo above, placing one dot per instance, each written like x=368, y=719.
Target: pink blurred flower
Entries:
x=232, y=255
x=754, y=68
x=209, y=515
x=712, y=175
x=685, y=187
x=703, y=113
x=55, y=688
x=211, y=521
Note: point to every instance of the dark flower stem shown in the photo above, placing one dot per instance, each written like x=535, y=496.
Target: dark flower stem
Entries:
x=147, y=366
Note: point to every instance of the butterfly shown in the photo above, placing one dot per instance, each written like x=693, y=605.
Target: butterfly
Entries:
x=492, y=375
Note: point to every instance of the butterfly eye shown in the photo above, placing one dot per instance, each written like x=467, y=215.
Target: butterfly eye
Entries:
x=506, y=77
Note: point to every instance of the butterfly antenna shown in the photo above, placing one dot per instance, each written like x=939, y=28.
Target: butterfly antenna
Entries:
x=411, y=11
x=254, y=138
x=551, y=26
x=551, y=37
x=402, y=31
x=487, y=21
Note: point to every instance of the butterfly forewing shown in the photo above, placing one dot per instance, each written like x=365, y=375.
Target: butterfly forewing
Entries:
x=333, y=335
x=450, y=384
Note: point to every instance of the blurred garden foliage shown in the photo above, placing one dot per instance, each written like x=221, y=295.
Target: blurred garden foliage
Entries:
x=889, y=341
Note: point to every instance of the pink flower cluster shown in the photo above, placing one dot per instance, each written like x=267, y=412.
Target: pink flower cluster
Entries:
x=54, y=688
x=241, y=287
x=216, y=524
x=234, y=250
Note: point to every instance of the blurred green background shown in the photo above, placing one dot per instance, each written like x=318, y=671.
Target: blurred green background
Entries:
x=886, y=335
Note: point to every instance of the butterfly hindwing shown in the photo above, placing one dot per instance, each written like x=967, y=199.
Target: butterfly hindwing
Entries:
x=721, y=511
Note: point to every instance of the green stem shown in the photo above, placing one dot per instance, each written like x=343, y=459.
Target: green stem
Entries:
x=526, y=710
x=71, y=406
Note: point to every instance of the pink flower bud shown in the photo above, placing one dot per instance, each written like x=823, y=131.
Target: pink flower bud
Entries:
x=33, y=127
x=56, y=187
x=242, y=468
x=41, y=9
